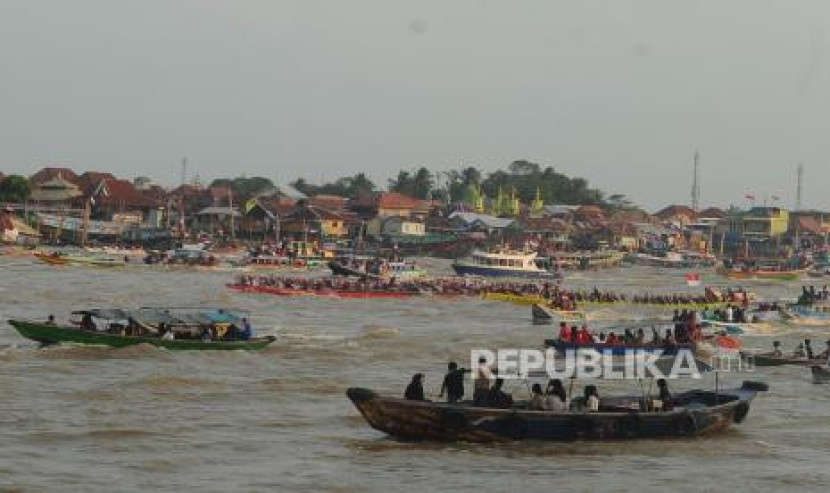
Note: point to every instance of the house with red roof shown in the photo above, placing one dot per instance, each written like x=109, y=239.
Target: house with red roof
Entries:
x=389, y=204
x=49, y=173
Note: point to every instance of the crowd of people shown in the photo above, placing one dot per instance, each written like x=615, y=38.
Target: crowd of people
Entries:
x=686, y=330
x=489, y=392
x=562, y=299
x=810, y=295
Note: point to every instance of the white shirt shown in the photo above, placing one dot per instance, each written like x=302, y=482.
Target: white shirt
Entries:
x=554, y=403
x=592, y=404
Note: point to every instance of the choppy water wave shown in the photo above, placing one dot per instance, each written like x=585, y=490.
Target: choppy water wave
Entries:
x=146, y=418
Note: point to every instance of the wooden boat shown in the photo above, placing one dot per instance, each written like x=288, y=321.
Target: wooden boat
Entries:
x=587, y=260
x=86, y=260
x=400, y=270
x=808, y=314
x=693, y=413
x=278, y=291
x=769, y=359
x=545, y=315
x=821, y=374
x=51, y=259
x=532, y=299
x=50, y=334
x=761, y=273
x=113, y=336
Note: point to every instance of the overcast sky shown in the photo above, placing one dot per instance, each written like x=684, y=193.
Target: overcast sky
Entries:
x=619, y=92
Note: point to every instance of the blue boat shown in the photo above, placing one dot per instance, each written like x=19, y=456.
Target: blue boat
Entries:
x=564, y=347
x=505, y=263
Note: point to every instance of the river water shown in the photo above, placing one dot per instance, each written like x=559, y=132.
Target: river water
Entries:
x=140, y=418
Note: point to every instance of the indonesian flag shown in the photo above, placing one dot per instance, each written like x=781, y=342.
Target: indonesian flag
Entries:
x=776, y=197
x=749, y=196
x=693, y=279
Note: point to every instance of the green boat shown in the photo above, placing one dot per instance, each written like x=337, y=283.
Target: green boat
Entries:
x=120, y=328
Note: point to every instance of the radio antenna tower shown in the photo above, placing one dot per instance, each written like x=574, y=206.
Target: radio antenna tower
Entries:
x=800, y=173
x=696, y=184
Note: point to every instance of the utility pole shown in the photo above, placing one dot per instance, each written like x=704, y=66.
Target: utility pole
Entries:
x=800, y=174
x=696, y=183
x=184, y=170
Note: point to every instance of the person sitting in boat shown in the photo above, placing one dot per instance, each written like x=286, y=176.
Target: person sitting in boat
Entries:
x=168, y=335
x=776, y=349
x=87, y=323
x=415, y=389
x=497, y=398
x=51, y=320
x=556, y=399
x=612, y=339
x=665, y=394
x=628, y=337
x=537, y=400
x=601, y=338
x=808, y=349
x=453, y=384
x=232, y=334
x=799, y=351
x=564, y=332
x=669, y=340
x=247, y=331
x=640, y=338
x=591, y=399
x=583, y=335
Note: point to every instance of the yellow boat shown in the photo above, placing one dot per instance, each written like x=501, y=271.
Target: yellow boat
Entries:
x=531, y=299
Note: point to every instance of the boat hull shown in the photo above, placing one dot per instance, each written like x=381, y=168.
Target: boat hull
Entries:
x=272, y=290
x=51, y=334
x=484, y=271
x=544, y=315
x=425, y=420
x=821, y=374
x=792, y=275
x=563, y=347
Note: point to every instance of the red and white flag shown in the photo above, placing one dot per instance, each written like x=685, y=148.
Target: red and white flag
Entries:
x=749, y=196
x=693, y=279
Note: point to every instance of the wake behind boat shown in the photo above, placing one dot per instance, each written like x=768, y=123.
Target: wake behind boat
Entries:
x=178, y=329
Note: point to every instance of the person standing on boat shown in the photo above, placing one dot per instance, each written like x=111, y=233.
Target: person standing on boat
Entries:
x=247, y=331
x=481, y=386
x=808, y=349
x=453, y=383
x=415, y=389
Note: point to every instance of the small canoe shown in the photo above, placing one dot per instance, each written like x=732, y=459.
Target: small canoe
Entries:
x=694, y=413
x=51, y=334
x=821, y=374
x=544, y=315
x=51, y=259
x=769, y=359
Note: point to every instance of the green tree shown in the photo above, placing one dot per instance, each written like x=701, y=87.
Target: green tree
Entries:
x=15, y=188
